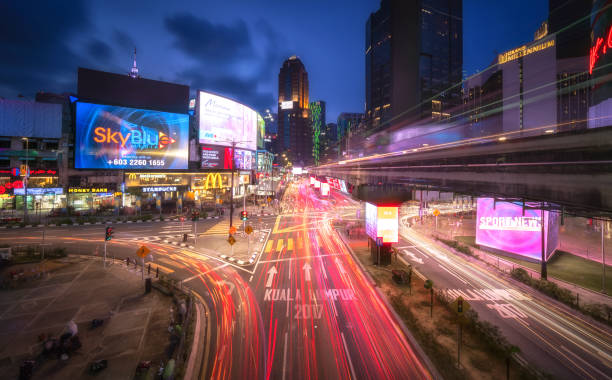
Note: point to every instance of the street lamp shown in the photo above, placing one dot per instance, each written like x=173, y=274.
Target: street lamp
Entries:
x=25, y=181
x=232, y=183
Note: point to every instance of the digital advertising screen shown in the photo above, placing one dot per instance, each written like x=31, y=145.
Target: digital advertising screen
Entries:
x=324, y=189
x=382, y=222
x=213, y=157
x=507, y=227
x=111, y=137
x=261, y=131
x=222, y=120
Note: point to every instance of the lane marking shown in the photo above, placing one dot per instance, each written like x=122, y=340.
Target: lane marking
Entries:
x=301, y=258
x=204, y=273
x=348, y=356
x=289, y=244
x=285, y=355
x=279, y=245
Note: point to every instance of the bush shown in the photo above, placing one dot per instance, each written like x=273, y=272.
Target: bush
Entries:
x=521, y=275
x=457, y=246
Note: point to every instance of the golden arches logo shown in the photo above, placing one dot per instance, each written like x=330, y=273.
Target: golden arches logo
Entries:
x=132, y=176
x=213, y=179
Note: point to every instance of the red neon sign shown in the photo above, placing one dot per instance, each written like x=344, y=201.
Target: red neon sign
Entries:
x=602, y=45
x=11, y=185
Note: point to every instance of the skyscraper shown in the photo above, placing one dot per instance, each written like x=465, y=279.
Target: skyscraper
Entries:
x=317, y=123
x=414, y=59
x=294, y=131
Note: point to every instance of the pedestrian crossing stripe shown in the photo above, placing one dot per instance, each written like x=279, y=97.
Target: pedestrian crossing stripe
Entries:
x=279, y=245
x=289, y=244
x=269, y=245
x=221, y=228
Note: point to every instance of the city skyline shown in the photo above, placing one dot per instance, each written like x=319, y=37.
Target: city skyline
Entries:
x=177, y=43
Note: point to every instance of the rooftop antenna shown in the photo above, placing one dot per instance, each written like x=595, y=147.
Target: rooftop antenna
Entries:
x=134, y=71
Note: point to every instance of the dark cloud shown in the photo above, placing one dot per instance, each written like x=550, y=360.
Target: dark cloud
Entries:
x=205, y=41
x=221, y=51
x=34, y=45
x=242, y=90
x=123, y=40
x=99, y=50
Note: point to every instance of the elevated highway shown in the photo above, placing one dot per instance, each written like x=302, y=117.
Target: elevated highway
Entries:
x=570, y=169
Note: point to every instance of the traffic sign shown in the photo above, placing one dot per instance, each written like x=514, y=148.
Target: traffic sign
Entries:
x=428, y=284
x=248, y=230
x=460, y=306
x=143, y=251
x=379, y=241
x=269, y=199
x=436, y=212
x=231, y=240
x=232, y=230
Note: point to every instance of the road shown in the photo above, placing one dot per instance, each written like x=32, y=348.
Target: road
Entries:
x=303, y=310
x=554, y=339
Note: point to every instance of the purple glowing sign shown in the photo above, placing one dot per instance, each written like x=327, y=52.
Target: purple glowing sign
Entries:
x=504, y=226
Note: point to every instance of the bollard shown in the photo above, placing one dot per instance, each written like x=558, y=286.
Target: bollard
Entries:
x=157, y=273
x=149, y=269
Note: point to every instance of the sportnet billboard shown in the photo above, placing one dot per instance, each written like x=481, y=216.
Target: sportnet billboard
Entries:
x=222, y=120
x=506, y=227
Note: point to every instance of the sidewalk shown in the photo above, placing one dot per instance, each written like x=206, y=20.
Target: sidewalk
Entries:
x=135, y=324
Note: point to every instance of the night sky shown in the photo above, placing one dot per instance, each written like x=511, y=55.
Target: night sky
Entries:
x=232, y=47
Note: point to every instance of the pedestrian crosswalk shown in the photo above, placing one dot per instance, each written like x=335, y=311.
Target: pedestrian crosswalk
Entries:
x=221, y=228
x=286, y=245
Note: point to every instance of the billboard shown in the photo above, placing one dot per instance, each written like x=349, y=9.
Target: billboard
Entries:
x=324, y=189
x=222, y=121
x=218, y=157
x=507, y=227
x=382, y=222
x=111, y=137
x=261, y=131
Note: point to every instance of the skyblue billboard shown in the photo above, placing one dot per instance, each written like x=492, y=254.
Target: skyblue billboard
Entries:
x=112, y=137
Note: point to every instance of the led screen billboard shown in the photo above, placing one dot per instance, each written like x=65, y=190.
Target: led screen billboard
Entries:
x=382, y=222
x=218, y=157
x=111, y=137
x=507, y=227
x=222, y=120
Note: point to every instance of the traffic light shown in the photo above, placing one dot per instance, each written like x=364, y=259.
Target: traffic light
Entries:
x=244, y=215
x=109, y=233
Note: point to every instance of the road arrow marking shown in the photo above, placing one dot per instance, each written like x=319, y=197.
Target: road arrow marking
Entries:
x=340, y=267
x=271, y=274
x=413, y=256
x=307, y=269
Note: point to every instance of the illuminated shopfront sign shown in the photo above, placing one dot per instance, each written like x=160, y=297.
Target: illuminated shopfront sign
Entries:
x=40, y=191
x=286, y=105
x=524, y=50
x=602, y=46
x=87, y=190
x=158, y=189
x=382, y=222
x=324, y=189
x=156, y=179
x=511, y=228
x=17, y=172
x=10, y=185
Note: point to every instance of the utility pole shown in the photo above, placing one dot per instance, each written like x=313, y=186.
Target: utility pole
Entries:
x=232, y=185
x=25, y=181
x=603, y=258
x=543, y=272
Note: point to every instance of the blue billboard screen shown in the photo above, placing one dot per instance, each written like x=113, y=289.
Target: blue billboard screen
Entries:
x=111, y=137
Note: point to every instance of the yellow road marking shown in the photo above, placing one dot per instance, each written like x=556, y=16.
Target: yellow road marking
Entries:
x=300, y=245
x=279, y=244
x=289, y=244
x=269, y=245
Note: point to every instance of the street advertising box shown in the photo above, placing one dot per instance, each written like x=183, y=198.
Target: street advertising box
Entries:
x=507, y=227
x=382, y=222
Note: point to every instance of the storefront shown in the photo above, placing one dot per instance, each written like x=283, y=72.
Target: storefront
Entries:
x=89, y=198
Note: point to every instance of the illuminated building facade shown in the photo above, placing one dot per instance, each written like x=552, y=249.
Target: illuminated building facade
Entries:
x=414, y=54
x=600, y=65
x=294, y=132
x=317, y=123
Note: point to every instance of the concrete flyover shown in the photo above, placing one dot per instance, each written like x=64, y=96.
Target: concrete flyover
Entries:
x=570, y=169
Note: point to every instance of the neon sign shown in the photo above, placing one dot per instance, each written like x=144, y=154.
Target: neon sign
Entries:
x=11, y=185
x=144, y=139
x=600, y=46
x=522, y=51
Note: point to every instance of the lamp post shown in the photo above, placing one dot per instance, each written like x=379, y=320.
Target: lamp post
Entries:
x=233, y=142
x=25, y=181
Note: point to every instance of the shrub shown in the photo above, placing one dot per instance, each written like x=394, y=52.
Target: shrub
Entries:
x=457, y=246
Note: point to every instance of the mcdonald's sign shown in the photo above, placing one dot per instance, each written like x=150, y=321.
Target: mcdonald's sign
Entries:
x=213, y=181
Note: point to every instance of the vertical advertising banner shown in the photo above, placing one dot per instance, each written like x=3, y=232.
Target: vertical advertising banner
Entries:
x=387, y=223
x=110, y=137
x=324, y=189
x=506, y=227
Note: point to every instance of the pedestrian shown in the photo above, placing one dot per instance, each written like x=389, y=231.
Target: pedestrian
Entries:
x=149, y=269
